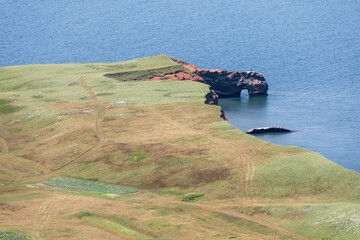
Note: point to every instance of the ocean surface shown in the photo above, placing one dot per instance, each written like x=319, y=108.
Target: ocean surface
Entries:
x=309, y=52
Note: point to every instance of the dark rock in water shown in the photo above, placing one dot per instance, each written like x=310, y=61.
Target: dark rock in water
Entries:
x=268, y=130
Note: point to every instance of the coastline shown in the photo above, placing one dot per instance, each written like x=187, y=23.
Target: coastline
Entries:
x=160, y=137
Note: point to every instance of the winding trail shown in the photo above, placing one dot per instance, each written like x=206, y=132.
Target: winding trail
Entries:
x=46, y=209
x=98, y=128
x=241, y=157
x=236, y=152
x=101, y=109
x=98, y=122
x=250, y=166
x=4, y=146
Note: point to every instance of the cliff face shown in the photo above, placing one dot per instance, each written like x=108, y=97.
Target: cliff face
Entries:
x=228, y=83
x=222, y=83
x=212, y=98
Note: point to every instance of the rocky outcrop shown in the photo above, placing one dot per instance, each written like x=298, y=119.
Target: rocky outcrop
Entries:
x=177, y=75
x=228, y=83
x=211, y=98
x=268, y=130
x=223, y=115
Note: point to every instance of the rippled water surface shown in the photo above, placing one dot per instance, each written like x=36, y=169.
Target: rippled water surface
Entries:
x=309, y=52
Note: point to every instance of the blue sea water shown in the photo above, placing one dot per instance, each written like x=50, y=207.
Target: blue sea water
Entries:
x=309, y=52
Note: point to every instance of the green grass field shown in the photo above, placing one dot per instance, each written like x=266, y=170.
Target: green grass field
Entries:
x=84, y=135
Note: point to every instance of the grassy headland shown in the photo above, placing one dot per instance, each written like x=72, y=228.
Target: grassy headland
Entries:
x=197, y=176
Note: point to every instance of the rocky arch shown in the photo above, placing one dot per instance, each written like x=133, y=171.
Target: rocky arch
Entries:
x=228, y=83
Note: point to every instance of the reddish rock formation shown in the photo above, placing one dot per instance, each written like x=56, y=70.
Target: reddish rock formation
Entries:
x=223, y=83
x=228, y=83
x=212, y=98
x=179, y=75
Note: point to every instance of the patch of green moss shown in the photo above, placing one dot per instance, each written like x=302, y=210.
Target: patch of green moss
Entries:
x=85, y=214
x=136, y=157
x=37, y=96
x=116, y=227
x=192, y=197
x=185, y=197
x=31, y=139
x=6, y=107
x=158, y=223
x=16, y=130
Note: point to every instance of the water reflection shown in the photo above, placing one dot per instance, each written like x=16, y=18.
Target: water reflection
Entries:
x=245, y=102
x=259, y=102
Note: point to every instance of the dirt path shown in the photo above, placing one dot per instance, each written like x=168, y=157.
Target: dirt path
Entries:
x=44, y=214
x=100, y=107
x=241, y=157
x=255, y=220
x=98, y=129
x=98, y=122
x=236, y=152
x=4, y=146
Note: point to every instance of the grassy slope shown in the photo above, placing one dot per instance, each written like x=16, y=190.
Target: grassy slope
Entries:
x=161, y=138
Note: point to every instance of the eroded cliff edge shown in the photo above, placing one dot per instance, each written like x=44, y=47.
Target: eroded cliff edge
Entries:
x=228, y=83
x=222, y=83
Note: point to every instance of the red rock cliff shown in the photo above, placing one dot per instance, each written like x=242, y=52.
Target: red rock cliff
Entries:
x=228, y=83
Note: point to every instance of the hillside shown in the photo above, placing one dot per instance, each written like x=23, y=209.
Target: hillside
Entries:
x=84, y=156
